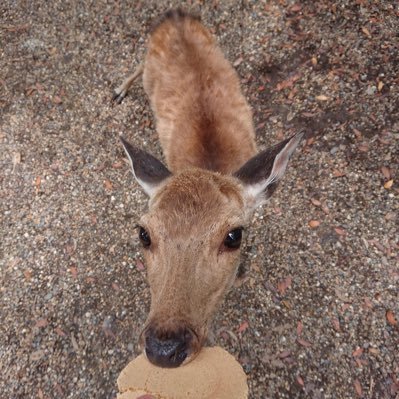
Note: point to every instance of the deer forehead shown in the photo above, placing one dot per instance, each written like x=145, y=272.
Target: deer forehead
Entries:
x=197, y=198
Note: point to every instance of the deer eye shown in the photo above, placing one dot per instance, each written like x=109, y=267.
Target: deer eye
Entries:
x=233, y=239
x=144, y=237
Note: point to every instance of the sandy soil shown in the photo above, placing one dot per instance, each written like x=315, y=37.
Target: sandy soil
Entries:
x=317, y=315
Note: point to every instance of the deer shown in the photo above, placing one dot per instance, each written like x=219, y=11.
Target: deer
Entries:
x=203, y=199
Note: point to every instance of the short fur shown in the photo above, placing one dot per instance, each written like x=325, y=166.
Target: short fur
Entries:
x=206, y=131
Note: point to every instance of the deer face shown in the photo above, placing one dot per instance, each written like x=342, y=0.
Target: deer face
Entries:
x=191, y=240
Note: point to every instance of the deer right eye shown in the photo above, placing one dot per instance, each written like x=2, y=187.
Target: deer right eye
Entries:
x=144, y=237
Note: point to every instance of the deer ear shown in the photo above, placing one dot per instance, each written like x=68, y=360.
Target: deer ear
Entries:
x=148, y=171
x=261, y=174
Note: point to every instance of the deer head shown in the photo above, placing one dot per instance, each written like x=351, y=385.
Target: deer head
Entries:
x=191, y=239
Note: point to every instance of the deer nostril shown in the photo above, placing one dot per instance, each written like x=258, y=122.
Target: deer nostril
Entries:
x=170, y=352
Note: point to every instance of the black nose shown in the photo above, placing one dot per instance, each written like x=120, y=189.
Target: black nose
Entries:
x=167, y=349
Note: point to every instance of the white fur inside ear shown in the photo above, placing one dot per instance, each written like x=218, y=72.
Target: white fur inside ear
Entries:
x=255, y=194
x=149, y=189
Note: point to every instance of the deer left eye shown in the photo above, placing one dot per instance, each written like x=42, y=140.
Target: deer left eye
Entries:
x=144, y=237
x=233, y=239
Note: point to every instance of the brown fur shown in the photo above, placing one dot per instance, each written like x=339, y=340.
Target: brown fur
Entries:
x=202, y=118
x=206, y=131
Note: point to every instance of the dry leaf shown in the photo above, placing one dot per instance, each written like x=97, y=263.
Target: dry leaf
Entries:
x=57, y=100
x=388, y=184
x=380, y=85
x=60, y=332
x=340, y=231
x=238, y=61
x=391, y=319
x=284, y=354
x=358, y=388
x=358, y=133
x=115, y=286
x=41, y=323
x=243, y=326
x=358, y=352
x=386, y=172
x=74, y=271
x=28, y=275
x=37, y=355
x=38, y=182
x=366, y=31
x=315, y=202
x=140, y=265
x=314, y=61
x=322, y=97
x=299, y=328
x=374, y=351
x=107, y=185
x=338, y=173
x=283, y=285
x=304, y=343
x=314, y=223
x=336, y=325
x=300, y=380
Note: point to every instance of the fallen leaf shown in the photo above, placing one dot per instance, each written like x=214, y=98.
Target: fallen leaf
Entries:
x=74, y=271
x=296, y=8
x=386, y=172
x=284, y=354
x=57, y=100
x=140, y=265
x=115, y=286
x=388, y=184
x=38, y=182
x=117, y=165
x=304, y=343
x=107, y=185
x=238, y=61
x=300, y=380
x=358, y=133
x=315, y=202
x=336, y=324
x=41, y=323
x=16, y=159
x=358, y=388
x=380, y=85
x=322, y=97
x=357, y=352
x=314, y=223
x=391, y=319
x=390, y=216
x=37, y=355
x=338, y=173
x=340, y=231
x=374, y=351
x=60, y=332
x=366, y=31
x=283, y=285
x=288, y=83
x=243, y=326
x=299, y=328
x=363, y=147
x=28, y=275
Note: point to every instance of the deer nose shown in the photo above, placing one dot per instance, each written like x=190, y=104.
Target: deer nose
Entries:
x=167, y=349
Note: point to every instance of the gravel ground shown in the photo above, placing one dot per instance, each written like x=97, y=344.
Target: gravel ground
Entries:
x=317, y=313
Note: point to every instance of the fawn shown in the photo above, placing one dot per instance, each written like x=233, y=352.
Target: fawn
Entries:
x=201, y=202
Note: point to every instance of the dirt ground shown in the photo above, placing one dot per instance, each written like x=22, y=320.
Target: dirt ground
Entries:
x=318, y=313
